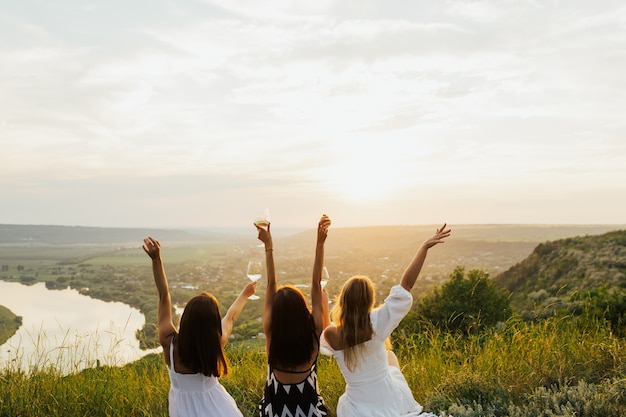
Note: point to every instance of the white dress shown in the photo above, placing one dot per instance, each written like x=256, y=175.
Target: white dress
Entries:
x=195, y=395
x=374, y=388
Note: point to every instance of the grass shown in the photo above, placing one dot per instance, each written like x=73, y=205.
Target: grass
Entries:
x=560, y=365
x=505, y=367
x=139, y=389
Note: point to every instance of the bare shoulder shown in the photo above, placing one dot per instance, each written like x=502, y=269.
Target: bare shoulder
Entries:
x=330, y=330
x=166, y=341
x=331, y=334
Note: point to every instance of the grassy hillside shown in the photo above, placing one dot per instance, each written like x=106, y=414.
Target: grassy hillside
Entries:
x=559, y=274
x=554, y=368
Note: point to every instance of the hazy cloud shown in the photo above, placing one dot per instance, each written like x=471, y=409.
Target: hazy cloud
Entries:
x=311, y=106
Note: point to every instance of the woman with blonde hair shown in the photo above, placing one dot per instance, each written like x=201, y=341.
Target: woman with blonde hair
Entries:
x=375, y=385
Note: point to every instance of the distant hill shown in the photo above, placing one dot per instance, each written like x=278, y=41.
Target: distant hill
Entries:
x=53, y=235
x=469, y=232
x=70, y=235
x=555, y=270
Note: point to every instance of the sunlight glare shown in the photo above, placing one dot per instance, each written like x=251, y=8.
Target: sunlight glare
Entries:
x=365, y=172
x=360, y=180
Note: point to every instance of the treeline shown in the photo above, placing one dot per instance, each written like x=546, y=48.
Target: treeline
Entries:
x=67, y=235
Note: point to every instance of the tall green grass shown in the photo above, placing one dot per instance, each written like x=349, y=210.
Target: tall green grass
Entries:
x=563, y=367
x=505, y=367
x=138, y=389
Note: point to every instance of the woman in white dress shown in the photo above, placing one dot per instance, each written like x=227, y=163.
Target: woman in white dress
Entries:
x=375, y=386
x=195, y=353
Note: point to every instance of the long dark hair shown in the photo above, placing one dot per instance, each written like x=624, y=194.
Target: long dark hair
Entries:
x=292, y=329
x=199, y=337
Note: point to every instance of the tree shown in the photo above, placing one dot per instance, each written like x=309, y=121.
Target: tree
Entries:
x=466, y=304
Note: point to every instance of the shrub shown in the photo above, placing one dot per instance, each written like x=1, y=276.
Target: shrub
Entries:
x=606, y=399
x=466, y=303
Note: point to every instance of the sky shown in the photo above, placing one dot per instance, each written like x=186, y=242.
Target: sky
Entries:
x=201, y=113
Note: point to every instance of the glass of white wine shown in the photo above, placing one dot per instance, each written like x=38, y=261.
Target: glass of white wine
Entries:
x=325, y=277
x=254, y=272
x=262, y=219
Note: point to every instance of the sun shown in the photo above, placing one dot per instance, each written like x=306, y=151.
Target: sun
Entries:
x=369, y=169
x=361, y=180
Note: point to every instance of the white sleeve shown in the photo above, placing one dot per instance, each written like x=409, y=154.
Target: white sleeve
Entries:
x=387, y=317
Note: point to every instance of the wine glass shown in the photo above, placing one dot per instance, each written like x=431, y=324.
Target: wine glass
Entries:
x=325, y=277
x=262, y=219
x=254, y=274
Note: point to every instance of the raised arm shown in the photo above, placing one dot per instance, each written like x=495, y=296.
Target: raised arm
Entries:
x=412, y=271
x=265, y=236
x=165, y=325
x=317, y=297
x=325, y=309
x=235, y=309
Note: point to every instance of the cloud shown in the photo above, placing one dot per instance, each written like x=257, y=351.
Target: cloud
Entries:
x=286, y=100
x=274, y=10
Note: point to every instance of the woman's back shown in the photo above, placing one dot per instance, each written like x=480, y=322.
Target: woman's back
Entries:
x=293, y=330
x=291, y=387
x=300, y=396
x=375, y=385
x=373, y=388
x=194, y=353
x=372, y=363
x=194, y=394
x=294, y=374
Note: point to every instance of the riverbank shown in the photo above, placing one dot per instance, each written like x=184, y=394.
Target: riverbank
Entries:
x=67, y=330
x=9, y=323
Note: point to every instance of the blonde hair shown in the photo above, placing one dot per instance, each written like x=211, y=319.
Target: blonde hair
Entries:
x=351, y=314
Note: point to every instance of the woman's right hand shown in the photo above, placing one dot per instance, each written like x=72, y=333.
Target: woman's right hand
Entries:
x=249, y=289
x=152, y=247
x=265, y=235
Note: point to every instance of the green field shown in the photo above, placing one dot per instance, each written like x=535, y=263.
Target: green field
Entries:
x=560, y=366
x=122, y=272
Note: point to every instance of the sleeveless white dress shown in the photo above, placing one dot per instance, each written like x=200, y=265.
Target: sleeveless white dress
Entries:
x=195, y=395
x=373, y=388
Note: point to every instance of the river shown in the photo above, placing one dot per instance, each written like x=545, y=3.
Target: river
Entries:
x=67, y=330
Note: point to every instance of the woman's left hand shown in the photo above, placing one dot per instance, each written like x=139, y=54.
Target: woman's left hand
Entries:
x=322, y=228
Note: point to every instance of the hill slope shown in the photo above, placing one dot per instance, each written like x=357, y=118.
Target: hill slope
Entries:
x=556, y=270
